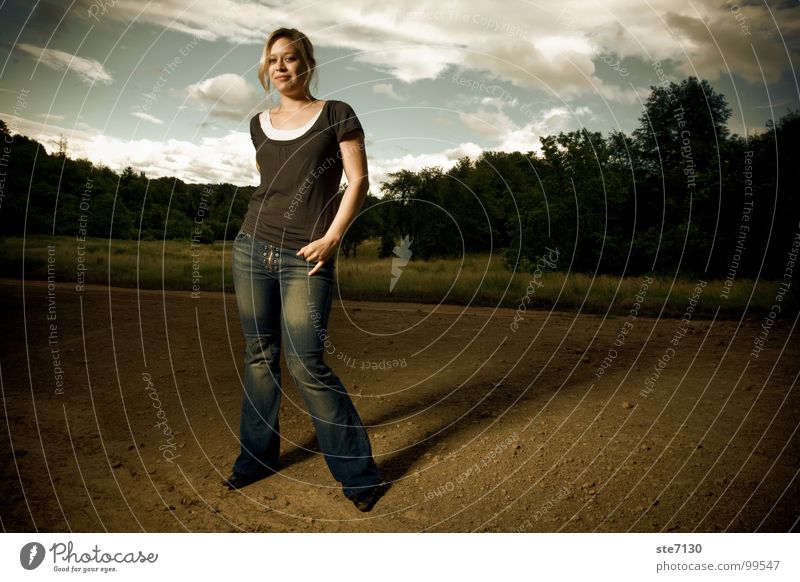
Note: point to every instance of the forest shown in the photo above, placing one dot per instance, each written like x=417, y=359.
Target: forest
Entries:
x=680, y=194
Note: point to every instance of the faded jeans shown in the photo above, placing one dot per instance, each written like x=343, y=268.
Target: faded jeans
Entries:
x=278, y=300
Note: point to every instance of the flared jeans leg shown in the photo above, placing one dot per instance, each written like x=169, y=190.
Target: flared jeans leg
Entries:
x=278, y=300
x=258, y=301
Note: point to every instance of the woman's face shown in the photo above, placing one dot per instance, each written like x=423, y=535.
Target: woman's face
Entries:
x=286, y=69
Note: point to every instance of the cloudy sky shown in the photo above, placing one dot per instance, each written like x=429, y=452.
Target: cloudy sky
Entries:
x=168, y=87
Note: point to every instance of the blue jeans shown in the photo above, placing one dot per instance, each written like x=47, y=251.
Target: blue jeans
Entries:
x=277, y=299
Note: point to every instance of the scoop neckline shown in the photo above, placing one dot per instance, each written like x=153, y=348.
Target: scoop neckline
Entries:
x=299, y=137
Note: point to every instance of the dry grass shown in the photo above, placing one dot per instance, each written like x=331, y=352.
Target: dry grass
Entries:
x=480, y=279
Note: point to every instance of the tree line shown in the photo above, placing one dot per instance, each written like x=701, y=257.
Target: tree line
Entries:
x=680, y=193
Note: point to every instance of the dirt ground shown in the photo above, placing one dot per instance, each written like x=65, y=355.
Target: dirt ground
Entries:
x=121, y=414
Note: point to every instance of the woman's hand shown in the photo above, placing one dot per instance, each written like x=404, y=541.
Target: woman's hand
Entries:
x=320, y=251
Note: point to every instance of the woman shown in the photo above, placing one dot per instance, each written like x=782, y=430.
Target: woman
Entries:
x=284, y=266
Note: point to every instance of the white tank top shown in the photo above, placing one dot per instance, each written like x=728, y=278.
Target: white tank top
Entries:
x=279, y=134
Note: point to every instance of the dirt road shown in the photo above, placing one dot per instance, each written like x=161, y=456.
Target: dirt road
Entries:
x=122, y=411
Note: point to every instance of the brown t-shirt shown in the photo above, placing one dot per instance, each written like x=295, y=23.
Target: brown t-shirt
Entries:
x=298, y=196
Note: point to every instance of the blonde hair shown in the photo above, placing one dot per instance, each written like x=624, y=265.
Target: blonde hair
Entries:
x=305, y=50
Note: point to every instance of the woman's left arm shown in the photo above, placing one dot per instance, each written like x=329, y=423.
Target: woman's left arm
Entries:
x=354, y=163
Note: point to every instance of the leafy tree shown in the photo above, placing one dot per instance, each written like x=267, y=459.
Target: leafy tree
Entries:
x=669, y=197
x=679, y=144
x=366, y=225
x=386, y=247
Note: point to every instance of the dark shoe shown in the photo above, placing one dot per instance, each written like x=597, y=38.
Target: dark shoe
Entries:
x=365, y=500
x=238, y=480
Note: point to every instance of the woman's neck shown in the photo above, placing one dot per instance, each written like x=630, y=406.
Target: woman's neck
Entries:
x=290, y=104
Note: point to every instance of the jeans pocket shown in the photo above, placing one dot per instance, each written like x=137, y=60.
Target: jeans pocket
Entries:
x=242, y=235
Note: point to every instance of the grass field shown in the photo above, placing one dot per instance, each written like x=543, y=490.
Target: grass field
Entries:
x=480, y=279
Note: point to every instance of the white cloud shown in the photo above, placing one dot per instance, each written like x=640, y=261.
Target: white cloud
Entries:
x=493, y=120
x=489, y=124
x=231, y=20
x=379, y=170
x=528, y=43
x=548, y=122
x=48, y=117
x=147, y=117
x=89, y=70
x=229, y=158
x=408, y=61
x=208, y=159
x=388, y=90
x=227, y=95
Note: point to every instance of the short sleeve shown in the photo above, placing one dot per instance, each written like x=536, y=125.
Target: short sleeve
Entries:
x=252, y=131
x=345, y=120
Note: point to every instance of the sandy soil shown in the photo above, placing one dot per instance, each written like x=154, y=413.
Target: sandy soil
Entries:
x=480, y=427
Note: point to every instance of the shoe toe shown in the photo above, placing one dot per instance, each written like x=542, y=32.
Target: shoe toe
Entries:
x=366, y=500
x=238, y=480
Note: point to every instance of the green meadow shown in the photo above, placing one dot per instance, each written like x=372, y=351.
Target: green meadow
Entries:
x=479, y=279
